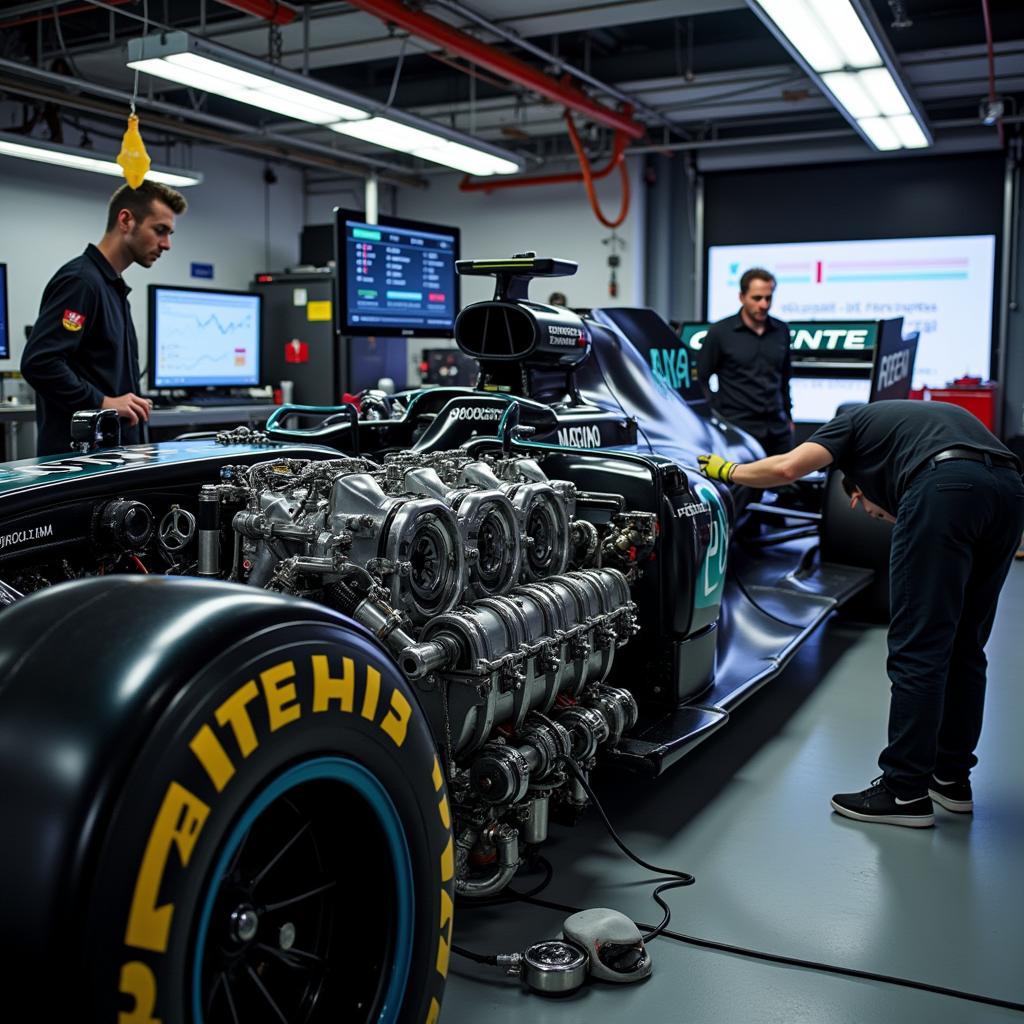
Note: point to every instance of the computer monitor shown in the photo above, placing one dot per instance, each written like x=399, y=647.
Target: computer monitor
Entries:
x=5, y=331
x=201, y=338
x=396, y=277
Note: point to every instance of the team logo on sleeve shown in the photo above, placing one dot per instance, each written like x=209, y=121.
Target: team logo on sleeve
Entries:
x=73, y=321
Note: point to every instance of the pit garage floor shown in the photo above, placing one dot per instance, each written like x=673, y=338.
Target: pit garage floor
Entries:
x=748, y=814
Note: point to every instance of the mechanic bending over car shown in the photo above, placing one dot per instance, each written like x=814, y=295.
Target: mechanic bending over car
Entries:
x=956, y=496
x=83, y=352
x=750, y=354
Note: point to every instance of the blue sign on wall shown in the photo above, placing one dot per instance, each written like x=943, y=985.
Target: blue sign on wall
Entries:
x=202, y=270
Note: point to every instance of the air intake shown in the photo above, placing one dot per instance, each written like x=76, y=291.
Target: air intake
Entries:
x=496, y=331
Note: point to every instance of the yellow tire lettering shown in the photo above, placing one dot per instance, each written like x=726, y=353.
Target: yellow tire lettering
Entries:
x=434, y=1012
x=396, y=721
x=138, y=982
x=372, y=694
x=234, y=712
x=444, y=941
x=442, y=809
x=212, y=756
x=179, y=821
x=435, y=775
x=327, y=688
x=448, y=861
x=282, y=702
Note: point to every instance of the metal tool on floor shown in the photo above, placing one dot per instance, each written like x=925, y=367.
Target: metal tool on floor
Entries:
x=600, y=942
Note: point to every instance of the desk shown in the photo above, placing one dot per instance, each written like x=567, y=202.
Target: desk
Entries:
x=171, y=420
x=13, y=418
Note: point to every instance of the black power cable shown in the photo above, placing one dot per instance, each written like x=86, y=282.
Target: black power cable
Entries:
x=681, y=878
x=684, y=878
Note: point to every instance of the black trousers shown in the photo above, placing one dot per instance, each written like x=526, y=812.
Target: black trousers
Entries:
x=956, y=531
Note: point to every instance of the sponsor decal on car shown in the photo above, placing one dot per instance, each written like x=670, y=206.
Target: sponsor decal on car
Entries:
x=476, y=412
x=892, y=368
x=672, y=366
x=711, y=581
x=580, y=437
x=13, y=540
x=567, y=337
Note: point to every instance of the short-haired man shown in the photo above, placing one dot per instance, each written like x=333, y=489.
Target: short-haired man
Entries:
x=750, y=354
x=955, y=494
x=83, y=352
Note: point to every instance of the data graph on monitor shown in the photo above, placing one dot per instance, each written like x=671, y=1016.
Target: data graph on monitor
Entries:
x=200, y=338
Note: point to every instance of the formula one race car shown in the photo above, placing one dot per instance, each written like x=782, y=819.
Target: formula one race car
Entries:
x=270, y=702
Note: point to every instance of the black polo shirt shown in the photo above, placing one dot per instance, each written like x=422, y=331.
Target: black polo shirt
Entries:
x=82, y=348
x=753, y=372
x=880, y=445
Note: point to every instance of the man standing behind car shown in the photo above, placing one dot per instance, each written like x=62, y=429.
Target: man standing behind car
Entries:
x=83, y=352
x=750, y=354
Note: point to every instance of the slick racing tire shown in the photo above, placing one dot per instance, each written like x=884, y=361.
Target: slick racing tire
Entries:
x=232, y=811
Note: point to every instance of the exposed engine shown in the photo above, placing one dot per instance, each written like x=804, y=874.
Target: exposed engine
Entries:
x=499, y=600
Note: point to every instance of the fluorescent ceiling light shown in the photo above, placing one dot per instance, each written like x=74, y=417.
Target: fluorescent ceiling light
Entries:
x=841, y=22
x=909, y=131
x=881, y=132
x=200, y=64
x=806, y=32
x=86, y=160
x=382, y=131
x=841, y=46
x=199, y=72
x=828, y=33
x=846, y=86
x=882, y=88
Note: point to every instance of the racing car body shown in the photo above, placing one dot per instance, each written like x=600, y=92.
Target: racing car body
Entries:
x=256, y=686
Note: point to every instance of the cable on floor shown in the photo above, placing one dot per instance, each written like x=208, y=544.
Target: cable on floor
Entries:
x=683, y=878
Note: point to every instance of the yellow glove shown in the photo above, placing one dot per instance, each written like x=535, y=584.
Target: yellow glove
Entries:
x=714, y=467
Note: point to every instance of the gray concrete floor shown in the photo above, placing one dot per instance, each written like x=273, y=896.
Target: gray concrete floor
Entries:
x=748, y=814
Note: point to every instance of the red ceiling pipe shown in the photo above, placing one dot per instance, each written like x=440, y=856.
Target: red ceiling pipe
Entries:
x=442, y=34
x=991, y=67
x=270, y=10
x=28, y=19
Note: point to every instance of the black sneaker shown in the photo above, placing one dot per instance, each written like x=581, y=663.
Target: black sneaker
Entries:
x=954, y=796
x=876, y=803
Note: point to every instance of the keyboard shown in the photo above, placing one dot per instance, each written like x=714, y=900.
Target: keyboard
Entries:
x=206, y=401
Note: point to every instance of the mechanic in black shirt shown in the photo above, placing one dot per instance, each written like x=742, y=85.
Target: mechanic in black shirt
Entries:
x=956, y=497
x=750, y=354
x=83, y=352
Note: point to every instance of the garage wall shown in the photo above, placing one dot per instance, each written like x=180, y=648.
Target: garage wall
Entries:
x=49, y=214
x=887, y=198
x=552, y=220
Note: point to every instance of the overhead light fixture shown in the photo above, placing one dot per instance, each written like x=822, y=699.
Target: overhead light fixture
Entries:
x=382, y=131
x=840, y=44
x=87, y=160
x=200, y=64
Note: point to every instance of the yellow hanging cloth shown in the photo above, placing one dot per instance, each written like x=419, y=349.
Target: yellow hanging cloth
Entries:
x=133, y=158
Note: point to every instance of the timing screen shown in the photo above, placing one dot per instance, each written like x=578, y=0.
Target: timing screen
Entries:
x=399, y=277
x=206, y=339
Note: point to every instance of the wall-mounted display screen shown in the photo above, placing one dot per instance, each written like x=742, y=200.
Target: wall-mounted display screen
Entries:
x=5, y=331
x=941, y=286
x=396, y=277
x=815, y=399
x=200, y=338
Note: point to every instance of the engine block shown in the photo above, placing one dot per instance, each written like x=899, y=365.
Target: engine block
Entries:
x=504, y=609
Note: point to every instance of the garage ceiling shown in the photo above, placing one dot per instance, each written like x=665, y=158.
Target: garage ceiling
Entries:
x=704, y=75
